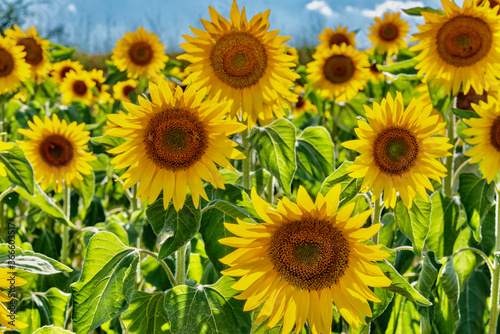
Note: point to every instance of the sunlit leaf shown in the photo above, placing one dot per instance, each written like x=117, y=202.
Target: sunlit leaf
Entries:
x=415, y=222
x=146, y=313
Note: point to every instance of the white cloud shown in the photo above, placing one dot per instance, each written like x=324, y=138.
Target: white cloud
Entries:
x=72, y=8
x=390, y=5
x=322, y=8
x=350, y=9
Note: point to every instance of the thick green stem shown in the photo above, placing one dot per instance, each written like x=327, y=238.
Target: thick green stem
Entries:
x=163, y=264
x=496, y=271
x=270, y=190
x=448, y=184
x=65, y=231
x=180, y=269
x=377, y=210
x=246, y=163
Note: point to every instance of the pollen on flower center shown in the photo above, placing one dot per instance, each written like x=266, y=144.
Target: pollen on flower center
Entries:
x=56, y=151
x=495, y=134
x=141, y=53
x=6, y=63
x=34, y=53
x=175, y=139
x=388, y=31
x=338, y=69
x=310, y=254
x=395, y=151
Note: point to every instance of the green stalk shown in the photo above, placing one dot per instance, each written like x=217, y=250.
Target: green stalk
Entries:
x=246, y=162
x=448, y=184
x=377, y=210
x=270, y=190
x=65, y=232
x=163, y=264
x=496, y=271
x=180, y=269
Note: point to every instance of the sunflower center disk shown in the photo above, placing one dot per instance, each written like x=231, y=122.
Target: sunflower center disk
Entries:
x=79, y=87
x=310, y=254
x=34, y=53
x=56, y=151
x=127, y=90
x=495, y=134
x=300, y=102
x=464, y=40
x=239, y=59
x=141, y=53
x=395, y=151
x=338, y=39
x=465, y=101
x=388, y=32
x=64, y=71
x=338, y=69
x=6, y=63
x=175, y=139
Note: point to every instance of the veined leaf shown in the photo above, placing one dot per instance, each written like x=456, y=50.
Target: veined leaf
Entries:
x=405, y=67
x=419, y=10
x=30, y=261
x=349, y=186
x=472, y=301
x=415, y=222
x=446, y=310
x=315, y=152
x=86, y=188
x=146, y=314
x=108, y=141
x=52, y=330
x=18, y=168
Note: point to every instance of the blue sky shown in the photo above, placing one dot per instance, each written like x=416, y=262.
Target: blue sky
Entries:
x=95, y=25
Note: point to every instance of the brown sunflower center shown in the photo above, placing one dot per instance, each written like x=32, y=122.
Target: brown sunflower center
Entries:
x=34, y=52
x=300, y=102
x=465, y=101
x=127, y=89
x=56, y=151
x=495, y=134
x=395, y=151
x=175, y=139
x=493, y=3
x=338, y=39
x=374, y=69
x=140, y=53
x=79, y=87
x=98, y=85
x=388, y=31
x=239, y=59
x=310, y=254
x=464, y=40
x=338, y=69
x=6, y=63
x=64, y=71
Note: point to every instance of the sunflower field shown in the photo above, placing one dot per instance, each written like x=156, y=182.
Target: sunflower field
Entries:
x=241, y=187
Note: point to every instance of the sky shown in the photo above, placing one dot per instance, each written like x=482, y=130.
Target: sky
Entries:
x=94, y=26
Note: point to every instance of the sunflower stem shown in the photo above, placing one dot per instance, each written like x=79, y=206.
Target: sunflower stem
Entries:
x=334, y=135
x=448, y=184
x=270, y=190
x=496, y=270
x=246, y=162
x=65, y=231
x=180, y=270
x=163, y=264
x=377, y=210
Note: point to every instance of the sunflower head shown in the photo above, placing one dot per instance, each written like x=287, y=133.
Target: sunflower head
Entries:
x=6, y=282
x=304, y=258
x=77, y=86
x=340, y=36
x=14, y=70
x=240, y=60
x=35, y=48
x=303, y=105
x=339, y=72
x=459, y=49
x=398, y=150
x=102, y=94
x=140, y=54
x=61, y=69
x=174, y=142
x=388, y=34
x=122, y=89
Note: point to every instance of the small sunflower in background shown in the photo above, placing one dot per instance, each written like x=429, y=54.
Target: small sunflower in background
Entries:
x=5, y=314
x=339, y=72
x=388, y=34
x=242, y=61
x=35, y=48
x=174, y=142
x=4, y=147
x=77, y=86
x=57, y=151
x=103, y=96
x=304, y=258
x=399, y=150
x=14, y=70
x=122, y=90
x=460, y=49
x=61, y=69
x=485, y=133
x=303, y=105
x=140, y=54
x=375, y=75
x=465, y=101
x=489, y=3
x=340, y=36
x=292, y=51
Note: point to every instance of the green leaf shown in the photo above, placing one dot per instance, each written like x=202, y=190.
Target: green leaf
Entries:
x=58, y=302
x=401, y=286
x=30, y=261
x=86, y=188
x=18, y=168
x=477, y=197
x=108, y=141
x=206, y=309
x=446, y=311
x=418, y=11
x=52, y=330
x=447, y=220
x=44, y=202
x=105, y=287
x=465, y=113
x=275, y=146
x=472, y=301
x=404, y=317
x=429, y=274
x=33, y=312
x=404, y=67
x=415, y=222
x=146, y=313
x=315, y=152
x=350, y=186
x=181, y=225
x=59, y=53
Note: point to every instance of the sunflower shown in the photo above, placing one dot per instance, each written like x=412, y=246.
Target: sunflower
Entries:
x=173, y=143
x=485, y=133
x=303, y=105
x=465, y=101
x=291, y=51
x=339, y=72
x=241, y=61
x=490, y=3
x=388, y=34
x=13, y=68
x=4, y=147
x=57, y=151
x=61, y=69
x=340, y=36
x=77, y=86
x=304, y=257
x=398, y=150
x=375, y=75
x=98, y=78
x=6, y=276
x=122, y=89
x=460, y=48
x=35, y=48
x=140, y=54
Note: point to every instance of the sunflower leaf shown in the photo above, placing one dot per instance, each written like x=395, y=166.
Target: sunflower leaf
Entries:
x=275, y=146
x=52, y=330
x=18, y=168
x=315, y=152
x=404, y=67
x=418, y=11
x=349, y=186
x=108, y=141
x=30, y=261
x=446, y=315
x=465, y=113
x=86, y=188
x=149, y=308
